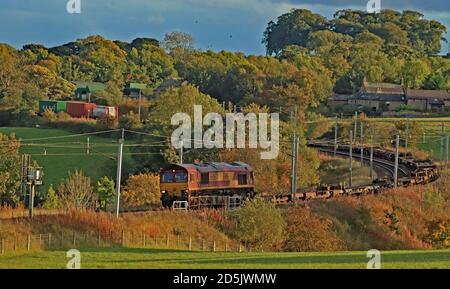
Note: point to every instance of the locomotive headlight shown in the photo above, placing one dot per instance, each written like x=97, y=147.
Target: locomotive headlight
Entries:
x=163, y=192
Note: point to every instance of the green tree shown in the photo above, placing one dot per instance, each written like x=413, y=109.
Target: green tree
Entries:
x=106, y=192
x=51, y=199
x=292, y=28
x=260, y=225
x=10, y=170
x=415, y=72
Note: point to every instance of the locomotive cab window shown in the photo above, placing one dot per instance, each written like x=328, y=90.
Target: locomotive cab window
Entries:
x=204, y=178
x=192, y=177
x=242, y=179
x=180, y=177
x=167, y=177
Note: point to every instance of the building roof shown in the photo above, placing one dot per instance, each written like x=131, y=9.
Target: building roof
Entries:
x=378, y=97
x=90, y=86
x=382, y=87
x=427, y=94
x=136, y=85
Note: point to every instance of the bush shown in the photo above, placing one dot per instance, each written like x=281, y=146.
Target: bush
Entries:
x=51, y=199
x=106, y=192
x=260, y=225
x=306, y=231
x=50, y=116
x=76, y=192
x=142, y=190
x=106, y=122
x=130, y=121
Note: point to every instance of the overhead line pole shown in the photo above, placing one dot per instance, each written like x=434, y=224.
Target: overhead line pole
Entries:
x=335, y=137
x=371, y=155
x=397, y=147
x=351, y=159
x=119, y=172
x=362, y=142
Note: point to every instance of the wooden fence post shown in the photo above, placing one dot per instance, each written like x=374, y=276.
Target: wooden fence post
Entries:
x=167, y=240
x=190, y=243
x=240, y=248
x=49, y=241
x=226, y=246
x=122, y=241
x=28, y=242
x=214, y=245
x=40, y=241
x=2, y=246
x=99, y=239
x=15, y=243
x=74, y=239
x=144, y=239
x=203, y=245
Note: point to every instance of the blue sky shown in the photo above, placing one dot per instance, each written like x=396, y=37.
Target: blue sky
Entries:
x=235, y=25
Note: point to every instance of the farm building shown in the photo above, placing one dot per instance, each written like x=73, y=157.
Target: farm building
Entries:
x=85, y=89
x=380, y=97
x=134, y=89
x=433, y=100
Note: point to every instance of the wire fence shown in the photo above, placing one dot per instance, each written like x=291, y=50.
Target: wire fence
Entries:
x=127, y=239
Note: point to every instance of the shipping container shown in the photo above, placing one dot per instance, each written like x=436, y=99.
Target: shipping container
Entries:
x=55, y=105
x=80, y=109
x=111, y=111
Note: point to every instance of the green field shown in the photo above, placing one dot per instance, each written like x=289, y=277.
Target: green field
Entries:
x=177, y=259
x=60, y=154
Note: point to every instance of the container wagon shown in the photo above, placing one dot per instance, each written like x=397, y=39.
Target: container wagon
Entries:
x=54, y=105
x=81, y=109
x=110, y=111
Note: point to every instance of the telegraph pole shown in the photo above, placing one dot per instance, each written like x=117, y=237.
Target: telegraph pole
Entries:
x=351, y=159
x=294, y=169
x=181, y=152
x=88, y=146
x=297, y=141
x=362, y=142
x=397, y=147
x=355, y=129
x=335, y=137
x=407, y=137
x=119, y=172
x=447, y=140
x=139, y=107
x=371, y=155
x=442, y=140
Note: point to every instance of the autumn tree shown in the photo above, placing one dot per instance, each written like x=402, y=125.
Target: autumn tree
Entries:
x=142, y=190
x=10, y=170
x=260, y=225
x=76, y=192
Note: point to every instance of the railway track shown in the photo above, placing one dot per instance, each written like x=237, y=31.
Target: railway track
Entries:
x=410, y=172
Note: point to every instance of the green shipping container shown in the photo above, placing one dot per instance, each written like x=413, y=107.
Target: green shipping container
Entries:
x=55, y=105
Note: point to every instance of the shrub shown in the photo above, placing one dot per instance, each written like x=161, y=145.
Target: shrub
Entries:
x=51, y=199
x=106, y=122
x=130, y=121
x=50, y=116
x=307, y=231
x=259, y=225
x=141, y=190
x=106, y=192
x=76, y=192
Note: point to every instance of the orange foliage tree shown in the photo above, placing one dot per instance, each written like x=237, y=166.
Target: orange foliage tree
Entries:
x=142, y=190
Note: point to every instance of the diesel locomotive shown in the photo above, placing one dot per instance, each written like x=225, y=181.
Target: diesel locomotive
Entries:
x=209, y=184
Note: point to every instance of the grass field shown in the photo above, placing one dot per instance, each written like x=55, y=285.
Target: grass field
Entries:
x=174, y=259
x=59, y=155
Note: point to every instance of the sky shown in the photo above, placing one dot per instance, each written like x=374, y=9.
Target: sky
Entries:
x=234, y=25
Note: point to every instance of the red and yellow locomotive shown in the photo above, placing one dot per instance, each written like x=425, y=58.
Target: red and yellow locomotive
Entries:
x=206, y=184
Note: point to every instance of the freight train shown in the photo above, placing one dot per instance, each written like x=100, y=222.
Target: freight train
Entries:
x=207, y=184
x=228, y=184
x=79, y=109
